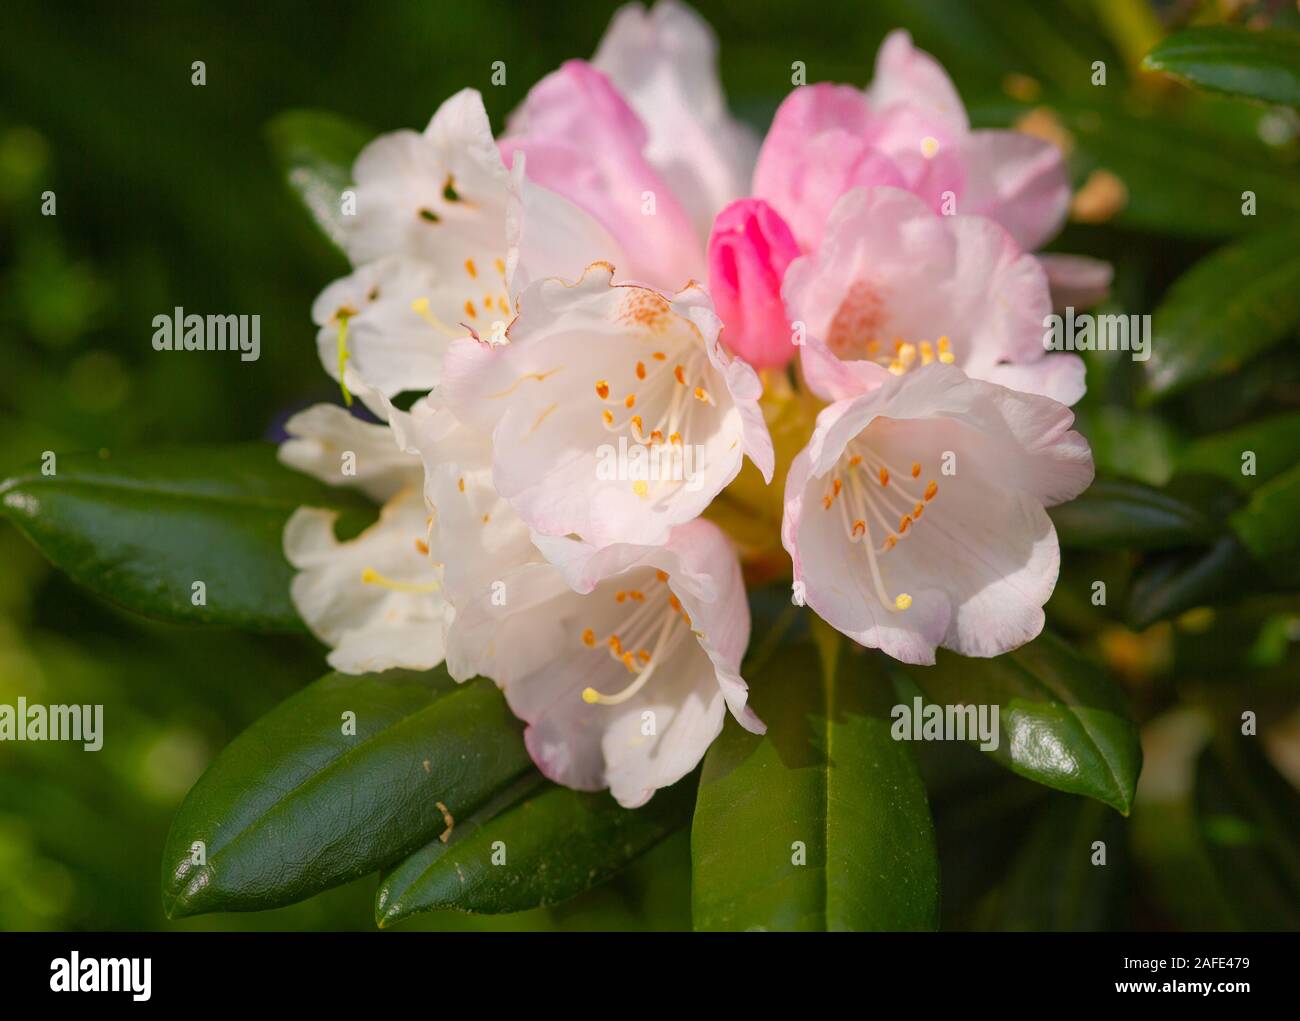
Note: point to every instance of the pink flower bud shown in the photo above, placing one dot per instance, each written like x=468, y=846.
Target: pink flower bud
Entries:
x=749, y=250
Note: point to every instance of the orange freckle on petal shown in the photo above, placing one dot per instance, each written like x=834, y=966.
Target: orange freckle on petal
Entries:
x=931, y=488
x=674, y=602
x=602, y=389
x=620, y=597
x=636, y=595
x=470, y=268
x=643, y=655
x=470, y=310
x=422, y=546
x=487, y=518
x=680, y=373
x=460, y=484
x=661, y=575
x=916, y=469
x=500, y=265
x=836, y=486
x=640, y=370
x=589, y=638
x=855, y=460
x=904, y=523
x=660, y=356
x=630, y=401
x=884, y=476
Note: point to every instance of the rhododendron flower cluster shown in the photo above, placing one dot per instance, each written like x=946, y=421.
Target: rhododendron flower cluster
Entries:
x=598, y=314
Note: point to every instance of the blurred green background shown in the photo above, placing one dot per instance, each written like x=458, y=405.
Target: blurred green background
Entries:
x=167, y=194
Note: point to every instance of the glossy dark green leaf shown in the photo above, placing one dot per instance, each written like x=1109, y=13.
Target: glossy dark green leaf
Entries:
x=1248, y=456
x=535, y=845
x=1062, y=721
x=1174, y=582
x=141, y=528
x=296, y=804
x=1114, y=514
x=1249, y=818
x=1060, y=879
x=823, y=822
x=1270, y=524
x=315, y=150
x=1259, y=64
x=1231, y=306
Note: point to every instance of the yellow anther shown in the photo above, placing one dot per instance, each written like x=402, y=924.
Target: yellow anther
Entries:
x=931, y=488
x=884, y=476
x=640, y=488
x=927, y=352
x=902, y=601
x=602, y=389
x=916, y=469
x=929, y=147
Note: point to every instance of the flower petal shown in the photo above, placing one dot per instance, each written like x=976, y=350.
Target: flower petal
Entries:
x=585, y=143
x=329, y=443
x=1020, y=181
x=373, y=624
x=664, y=62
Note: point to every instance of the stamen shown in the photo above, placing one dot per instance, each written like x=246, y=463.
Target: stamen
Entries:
x=372, y=577
x=343, y=357
x=420, y=306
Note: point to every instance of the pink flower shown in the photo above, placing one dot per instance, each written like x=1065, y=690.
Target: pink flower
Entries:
x=909, y=130
x=622, y=661
x=895, y=286
x=915, y=516
x=614, y=412
x=749, y=251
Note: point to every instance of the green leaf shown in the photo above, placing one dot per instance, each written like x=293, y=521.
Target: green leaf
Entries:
x=1231, y=306
x=1061, y=720
x=1113, y=514
x=1056, y=882
x=1273, y=442
x=140, y=528
x=1268, y=524
x=297, y=804
x=827, y=781
x=549, y=844
x=1175, y=582
x=1249, y=818
x=1262, y=65
x=315, y=151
